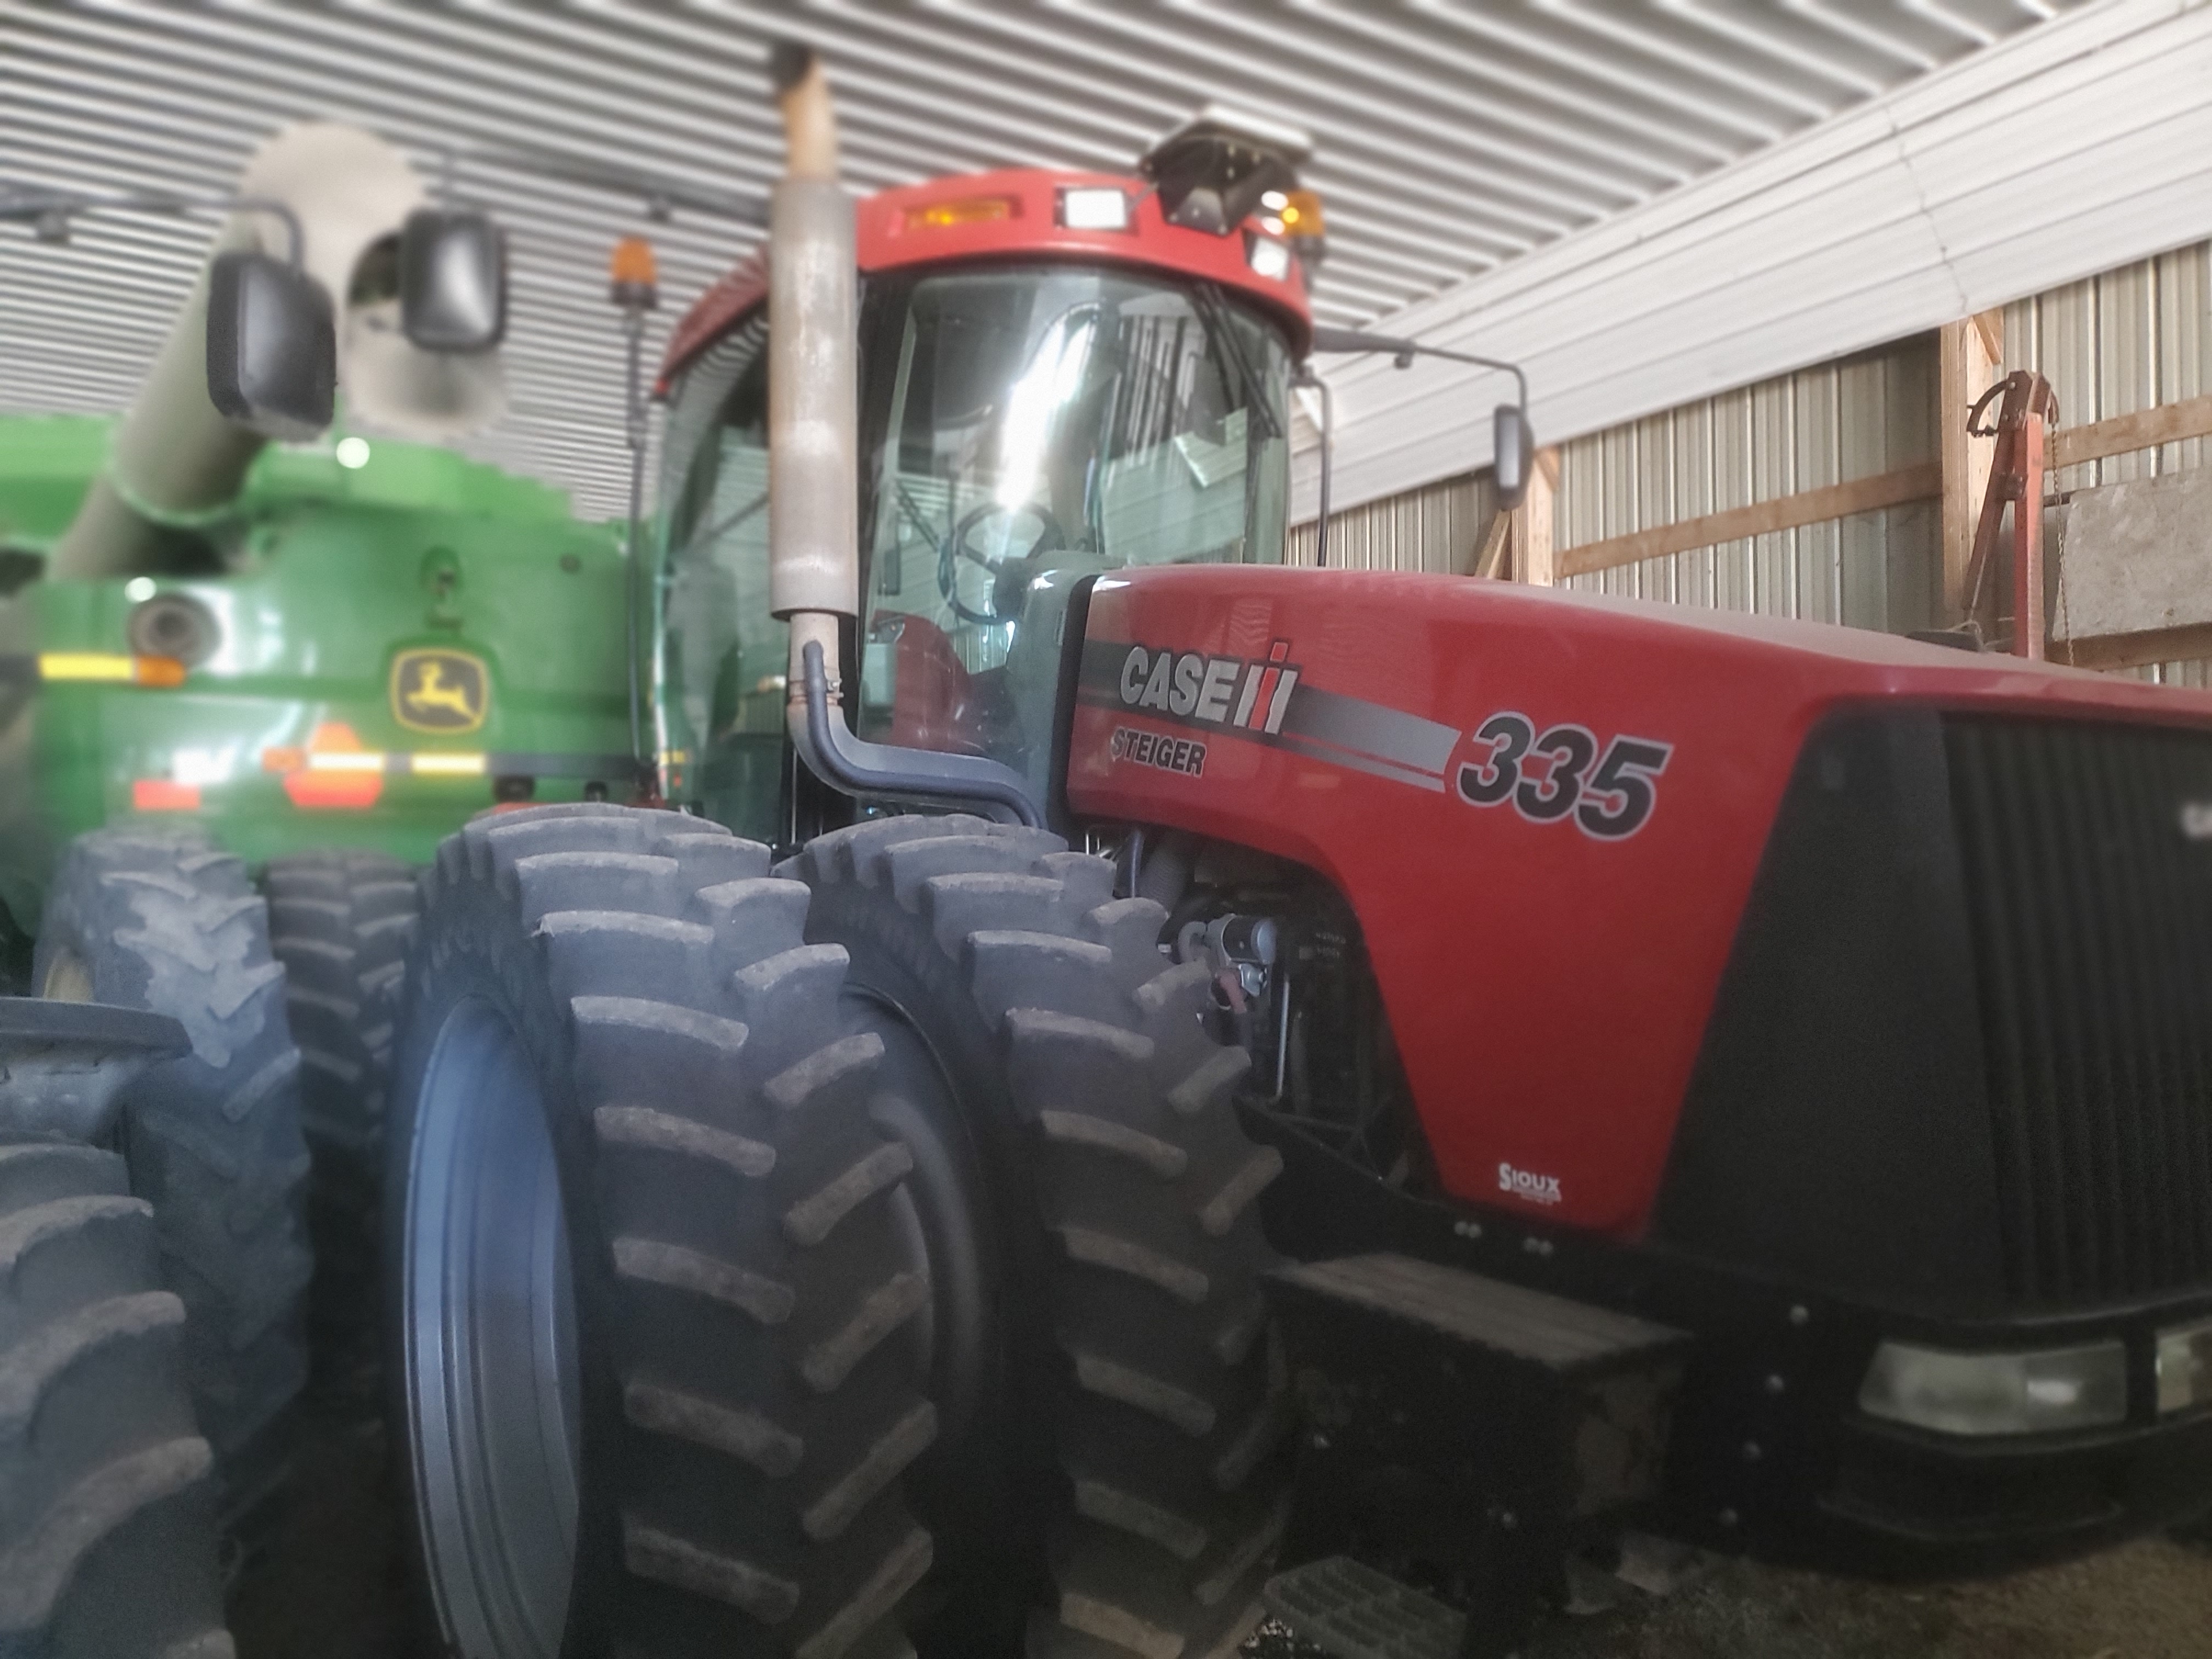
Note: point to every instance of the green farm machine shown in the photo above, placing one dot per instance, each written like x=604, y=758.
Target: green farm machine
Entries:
x=245, y=689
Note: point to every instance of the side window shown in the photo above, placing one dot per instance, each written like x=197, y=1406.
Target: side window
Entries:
x=721, y=656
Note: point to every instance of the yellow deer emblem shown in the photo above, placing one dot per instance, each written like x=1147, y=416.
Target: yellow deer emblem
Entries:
x=438, y=691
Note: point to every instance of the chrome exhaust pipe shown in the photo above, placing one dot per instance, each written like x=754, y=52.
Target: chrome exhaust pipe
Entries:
x=814, y=469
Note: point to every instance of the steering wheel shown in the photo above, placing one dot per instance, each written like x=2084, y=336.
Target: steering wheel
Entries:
x=1009, y=571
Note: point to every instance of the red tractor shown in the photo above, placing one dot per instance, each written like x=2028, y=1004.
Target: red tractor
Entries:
x=1192, y=1079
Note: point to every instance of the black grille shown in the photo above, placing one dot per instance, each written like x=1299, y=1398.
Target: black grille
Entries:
x=2088, y=867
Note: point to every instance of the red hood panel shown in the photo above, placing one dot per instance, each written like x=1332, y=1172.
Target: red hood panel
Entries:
x=1549, y=931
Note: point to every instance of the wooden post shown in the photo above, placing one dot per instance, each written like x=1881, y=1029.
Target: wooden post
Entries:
x=1967, y=354
x=1534, y=560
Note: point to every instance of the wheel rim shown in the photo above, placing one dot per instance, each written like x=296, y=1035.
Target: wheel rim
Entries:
x=489, y=1329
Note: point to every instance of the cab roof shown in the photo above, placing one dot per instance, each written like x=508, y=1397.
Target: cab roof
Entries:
x=1015, y=213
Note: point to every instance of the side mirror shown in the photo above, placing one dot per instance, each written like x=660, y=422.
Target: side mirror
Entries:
x=272, y=348
x=1513, y=453
x=453, y=281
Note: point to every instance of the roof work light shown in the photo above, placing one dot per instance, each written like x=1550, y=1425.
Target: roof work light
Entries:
x=1100, y=207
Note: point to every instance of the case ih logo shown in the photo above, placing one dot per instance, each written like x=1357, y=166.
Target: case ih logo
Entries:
x=1229, y=691
x=1264, y=700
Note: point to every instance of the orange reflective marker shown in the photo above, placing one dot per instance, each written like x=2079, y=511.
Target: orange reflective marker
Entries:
x=353, y=789
x=163, y=795
x=160, y=672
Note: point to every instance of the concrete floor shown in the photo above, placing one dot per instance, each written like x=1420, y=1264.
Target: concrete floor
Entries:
x=328, y=1589
x=2151, y=1600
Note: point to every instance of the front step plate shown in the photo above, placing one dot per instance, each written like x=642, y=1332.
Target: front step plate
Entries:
x=1357, y=1613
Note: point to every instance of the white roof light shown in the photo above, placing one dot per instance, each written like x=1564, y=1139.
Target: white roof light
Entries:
x=1105, y=208
x=1270, y=259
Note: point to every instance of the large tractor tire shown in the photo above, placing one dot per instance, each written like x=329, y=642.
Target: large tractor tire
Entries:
x=652, y=1281
x=163, y=921
x=1142, y=1395
x=108, y=1523
x=341, y=923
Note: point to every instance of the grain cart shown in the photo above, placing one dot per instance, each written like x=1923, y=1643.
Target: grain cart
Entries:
x=1143, y=1079
x=245, y=658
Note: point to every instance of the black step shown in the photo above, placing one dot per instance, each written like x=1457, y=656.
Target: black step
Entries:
x=1356, y=1613
x=1568, y=1338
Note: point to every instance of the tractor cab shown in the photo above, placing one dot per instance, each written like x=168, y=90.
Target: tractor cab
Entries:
x=1057, y=379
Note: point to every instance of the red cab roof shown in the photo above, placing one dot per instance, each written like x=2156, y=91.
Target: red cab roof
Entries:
x=1015, y=213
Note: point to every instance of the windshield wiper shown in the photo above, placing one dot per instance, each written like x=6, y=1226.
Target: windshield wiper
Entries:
x=1213, y=312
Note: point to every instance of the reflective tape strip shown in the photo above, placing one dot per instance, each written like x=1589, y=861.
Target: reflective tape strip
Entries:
x=434, y=763
x=446, y=766
x=109, y=668
x=86, y=665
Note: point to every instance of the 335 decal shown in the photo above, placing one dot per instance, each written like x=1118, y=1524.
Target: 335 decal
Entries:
x=1563, y=771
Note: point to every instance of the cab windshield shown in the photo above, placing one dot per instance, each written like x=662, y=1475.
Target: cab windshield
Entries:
x=1021, y=428
x=1024, y=428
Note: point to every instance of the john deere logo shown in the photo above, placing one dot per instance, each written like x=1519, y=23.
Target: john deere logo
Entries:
x=436, y=690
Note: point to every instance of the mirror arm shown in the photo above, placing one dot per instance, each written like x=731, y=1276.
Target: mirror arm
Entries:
x=1307, y=378
x=43, y=207
x=1352, y=340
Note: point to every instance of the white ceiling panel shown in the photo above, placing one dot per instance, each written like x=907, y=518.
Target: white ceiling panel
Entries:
x=1454, y=138
x=2065, y=152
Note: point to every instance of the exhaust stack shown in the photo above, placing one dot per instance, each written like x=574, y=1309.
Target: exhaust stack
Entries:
x=814, y=468
x=813, y=391
x=176, y=463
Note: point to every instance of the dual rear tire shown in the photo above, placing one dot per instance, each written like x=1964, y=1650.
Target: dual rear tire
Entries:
x=651, y=1291
x=727, y=1209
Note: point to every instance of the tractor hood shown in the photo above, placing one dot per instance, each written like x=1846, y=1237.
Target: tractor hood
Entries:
x=1521, y=789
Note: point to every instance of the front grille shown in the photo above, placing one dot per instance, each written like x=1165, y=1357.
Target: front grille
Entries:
x=2088, y=867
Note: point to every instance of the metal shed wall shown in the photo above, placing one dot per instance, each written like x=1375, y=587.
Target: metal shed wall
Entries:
x=1868, y=414
x=1439, y=528
x=2130, y=338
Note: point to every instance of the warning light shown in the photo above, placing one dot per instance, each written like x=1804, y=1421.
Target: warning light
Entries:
x=962, y=211
x=633, y=275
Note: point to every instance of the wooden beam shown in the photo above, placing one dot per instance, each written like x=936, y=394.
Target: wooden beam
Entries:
x=1911, y=484
x=2146, y=429
x=2134, y=650
x=1536, y=558
x=1967, y=353
x=1491, y=554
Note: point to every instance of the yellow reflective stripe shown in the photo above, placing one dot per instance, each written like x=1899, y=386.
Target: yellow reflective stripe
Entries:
x=447, y=766
x=86, y=665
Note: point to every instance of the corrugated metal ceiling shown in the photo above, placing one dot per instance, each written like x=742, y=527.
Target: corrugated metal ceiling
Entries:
x=1451, y=137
